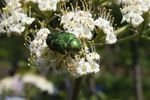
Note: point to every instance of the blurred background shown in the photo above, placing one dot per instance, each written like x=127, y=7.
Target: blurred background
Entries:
x=124, y=75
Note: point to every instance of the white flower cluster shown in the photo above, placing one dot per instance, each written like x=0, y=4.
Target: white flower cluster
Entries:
x=133, y=10
x=41, y=55
x=45, y=5
x=38, y=45
x=81, y=24
x=84, y=65
x=77, y=21
x=107, y=29
x=40, y=82
x=14, y=98
x=13, y=18
x=16, y=83
x=13, y=84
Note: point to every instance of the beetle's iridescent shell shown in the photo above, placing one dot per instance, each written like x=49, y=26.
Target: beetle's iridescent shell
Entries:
x=63, y=42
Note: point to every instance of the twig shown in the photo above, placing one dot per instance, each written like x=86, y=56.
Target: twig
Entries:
x=121, y=40
x=122, y=30
x=128, y=38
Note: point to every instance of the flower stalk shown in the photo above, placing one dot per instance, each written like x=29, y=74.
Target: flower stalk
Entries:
x=76, y=90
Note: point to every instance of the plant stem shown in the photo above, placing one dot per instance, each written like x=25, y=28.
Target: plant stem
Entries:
x=123, y=39
x=146, y=32
x=136, y=69
x=128, y=38
x=122, y=30
x=76, y=89
x=145, y=37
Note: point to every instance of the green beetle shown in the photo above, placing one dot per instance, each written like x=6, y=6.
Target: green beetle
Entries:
x=63, y=42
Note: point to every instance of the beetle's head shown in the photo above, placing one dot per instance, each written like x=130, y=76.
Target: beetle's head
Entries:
x=74, y=46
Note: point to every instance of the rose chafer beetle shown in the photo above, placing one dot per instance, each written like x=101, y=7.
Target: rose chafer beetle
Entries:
x=63, y=42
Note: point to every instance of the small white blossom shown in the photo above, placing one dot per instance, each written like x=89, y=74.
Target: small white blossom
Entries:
x=104, y=25
x=80, y=23
x=111, y=38
x=14, y=98
x=13, y=18
x=48, y=4
x=141, y=5
x=27, y=20
x=86, y=67
x=41, y=55
x=38, y=45
x=94, y=68
x=80, y=66
x=92, y=56
x=13, y=84
x=133, y=18
x=133, y=10
x=40, y=82
x=17, y=83
x=45, y=5
x=19, y=28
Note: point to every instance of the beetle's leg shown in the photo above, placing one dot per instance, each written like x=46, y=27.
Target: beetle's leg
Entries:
x=62, y=60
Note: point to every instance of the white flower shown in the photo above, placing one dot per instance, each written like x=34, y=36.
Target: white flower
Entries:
x=48, y=4
x=16, y=83
x=45, y=5
x=86, y=67
x=13, y=18
x=41, y=55
x=40, y=82
x=80, y=66
x=38, y=45
x=111, y=38
x=13, y=84
x=101, y=23
x=133, y=10
x=80, y=23
x=92, y=56
x=14, y=98
x=94, y=68
x=2, y=30
x=104, y=25
x=27, y=20
x=19, y=28
x=136, y=20
x=12, y=5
